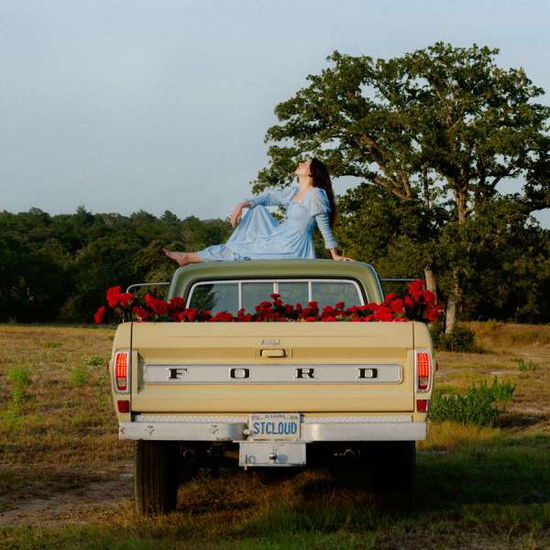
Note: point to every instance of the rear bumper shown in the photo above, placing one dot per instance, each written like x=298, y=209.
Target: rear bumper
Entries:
x=235, y=428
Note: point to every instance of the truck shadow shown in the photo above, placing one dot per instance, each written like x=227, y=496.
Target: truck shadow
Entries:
x=511, y=471
x=506, y=471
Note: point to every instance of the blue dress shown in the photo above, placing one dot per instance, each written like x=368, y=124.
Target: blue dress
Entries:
x=260, y=236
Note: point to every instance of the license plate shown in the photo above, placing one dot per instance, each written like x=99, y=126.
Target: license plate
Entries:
x=274, y=426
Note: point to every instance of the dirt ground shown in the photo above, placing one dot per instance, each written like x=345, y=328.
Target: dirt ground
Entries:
x=61, y=462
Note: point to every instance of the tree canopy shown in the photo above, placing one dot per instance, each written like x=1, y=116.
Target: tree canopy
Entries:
x=438, y=129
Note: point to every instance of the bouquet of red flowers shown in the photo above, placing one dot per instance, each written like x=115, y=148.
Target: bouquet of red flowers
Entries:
x=417, y=304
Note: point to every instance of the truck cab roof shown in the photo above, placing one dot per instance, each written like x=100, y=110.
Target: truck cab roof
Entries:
x=363, y=273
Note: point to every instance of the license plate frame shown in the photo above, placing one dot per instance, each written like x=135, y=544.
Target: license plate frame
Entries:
x=274, y=426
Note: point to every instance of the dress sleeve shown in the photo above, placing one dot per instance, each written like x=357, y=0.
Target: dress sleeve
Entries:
x=319, y=207
x=323, y=224
x=318, y=202
x=273, y=197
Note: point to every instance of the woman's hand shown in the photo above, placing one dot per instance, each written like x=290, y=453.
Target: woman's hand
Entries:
x=236, y=215
x=338, y=258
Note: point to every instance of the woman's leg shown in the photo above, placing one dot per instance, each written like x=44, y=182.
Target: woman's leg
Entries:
x=183, y=258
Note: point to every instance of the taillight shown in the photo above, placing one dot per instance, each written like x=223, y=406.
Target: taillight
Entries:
x=422, y=405
x=423, y=370
x=122, y=371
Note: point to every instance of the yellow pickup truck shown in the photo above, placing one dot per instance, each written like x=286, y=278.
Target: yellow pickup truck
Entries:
x=272, y=394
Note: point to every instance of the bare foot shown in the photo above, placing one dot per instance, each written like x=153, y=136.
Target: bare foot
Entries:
x=181, y=258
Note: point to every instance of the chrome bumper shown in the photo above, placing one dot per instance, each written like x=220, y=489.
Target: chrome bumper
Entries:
x=235, y=428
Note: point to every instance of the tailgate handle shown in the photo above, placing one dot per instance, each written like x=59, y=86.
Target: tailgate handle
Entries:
x=272, y=353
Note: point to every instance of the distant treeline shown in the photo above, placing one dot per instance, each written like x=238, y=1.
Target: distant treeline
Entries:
x=56, y=268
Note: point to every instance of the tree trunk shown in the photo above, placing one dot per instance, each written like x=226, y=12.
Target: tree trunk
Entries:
x=429, y=277
x=452, y=302
x=450, y=317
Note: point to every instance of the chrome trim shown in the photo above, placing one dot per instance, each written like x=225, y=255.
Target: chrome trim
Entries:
x=287, y=370
x=145, y=284
x=235, y=432
x=306, y=418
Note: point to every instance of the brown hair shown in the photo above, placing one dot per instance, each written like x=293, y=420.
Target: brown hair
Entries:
x=321, y=178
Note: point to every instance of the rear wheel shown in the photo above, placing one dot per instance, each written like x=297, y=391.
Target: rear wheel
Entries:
x=155, y=476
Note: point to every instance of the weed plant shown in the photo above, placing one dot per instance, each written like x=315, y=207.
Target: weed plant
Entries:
x=526, y=365
x=95, y=361
x=480, y=405
x=20, y=380
x=460, y=339
x=79, y=375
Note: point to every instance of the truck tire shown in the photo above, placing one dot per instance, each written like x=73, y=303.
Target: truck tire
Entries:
x=155, y=476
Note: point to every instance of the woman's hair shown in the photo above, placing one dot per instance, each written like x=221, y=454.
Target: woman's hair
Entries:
x=321, y=178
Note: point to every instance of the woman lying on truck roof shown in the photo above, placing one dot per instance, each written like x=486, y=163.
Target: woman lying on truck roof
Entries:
x=258, y=235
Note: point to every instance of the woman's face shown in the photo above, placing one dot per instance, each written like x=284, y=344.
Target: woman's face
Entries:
x=303, y=168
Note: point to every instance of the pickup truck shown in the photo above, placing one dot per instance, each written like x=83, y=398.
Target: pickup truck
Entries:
x=271, y=394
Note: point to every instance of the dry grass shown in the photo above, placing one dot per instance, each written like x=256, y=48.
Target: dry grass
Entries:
x=63, y=468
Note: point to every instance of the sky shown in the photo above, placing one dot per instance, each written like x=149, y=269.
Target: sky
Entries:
x=127, y=105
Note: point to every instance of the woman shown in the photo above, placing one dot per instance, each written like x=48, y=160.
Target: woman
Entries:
x=258, y=235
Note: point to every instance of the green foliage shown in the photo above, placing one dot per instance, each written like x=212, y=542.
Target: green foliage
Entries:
x=20, y=380
x=79, y=375
x=479, y=405
x=526, y=365
x=461, y=339
x=52, y=345
x=430, y=135
x=58, y=267
x=95, y=361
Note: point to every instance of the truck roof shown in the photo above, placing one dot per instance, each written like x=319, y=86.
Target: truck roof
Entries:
x=364, y=273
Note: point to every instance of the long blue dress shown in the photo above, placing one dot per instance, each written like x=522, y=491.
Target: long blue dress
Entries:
x=260, y=236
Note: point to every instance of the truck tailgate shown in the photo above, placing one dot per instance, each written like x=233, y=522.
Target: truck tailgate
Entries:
x=272, y=367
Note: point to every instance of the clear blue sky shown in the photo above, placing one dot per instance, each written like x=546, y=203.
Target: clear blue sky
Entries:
x=122, y=105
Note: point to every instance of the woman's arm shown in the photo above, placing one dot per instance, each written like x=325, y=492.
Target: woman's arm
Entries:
x=271, y=197
x=236, y=215
x=330, y=242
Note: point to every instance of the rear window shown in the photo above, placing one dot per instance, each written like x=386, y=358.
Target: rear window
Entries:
x=233, y=295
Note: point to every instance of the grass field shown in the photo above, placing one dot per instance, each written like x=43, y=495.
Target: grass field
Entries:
x=65, y=478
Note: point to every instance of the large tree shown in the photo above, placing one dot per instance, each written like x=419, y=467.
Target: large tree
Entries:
x=439, y=128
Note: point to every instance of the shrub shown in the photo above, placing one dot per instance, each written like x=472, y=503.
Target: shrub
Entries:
x=20, y=380
x=95, y=361
x=526, y=365
x=459, y=339
x=479, y=405
x=79, y=375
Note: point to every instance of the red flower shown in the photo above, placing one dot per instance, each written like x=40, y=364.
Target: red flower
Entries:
x=112, y=295
x=222, y=317
x=158, y=307
x=275, y=296
x=99, y=314
x=177, y=302
x=340, y=305
x=416, y=287
x=396, y=305
x=432, y=314
x=329, y=319
x=429, y=297
x=140, y=313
